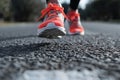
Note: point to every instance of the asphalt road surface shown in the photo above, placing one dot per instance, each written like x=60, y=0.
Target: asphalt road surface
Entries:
x=98, y=51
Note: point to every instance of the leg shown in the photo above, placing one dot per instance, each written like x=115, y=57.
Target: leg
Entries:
x=75, y=26
x=52, y=1
x=74, y=4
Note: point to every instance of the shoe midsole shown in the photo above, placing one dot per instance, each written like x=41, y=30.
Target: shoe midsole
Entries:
x=51, y=26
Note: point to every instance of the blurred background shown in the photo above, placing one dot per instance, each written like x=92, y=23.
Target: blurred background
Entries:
x=29, y=10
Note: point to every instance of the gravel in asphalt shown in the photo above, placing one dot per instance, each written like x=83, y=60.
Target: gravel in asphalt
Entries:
x=98, y=53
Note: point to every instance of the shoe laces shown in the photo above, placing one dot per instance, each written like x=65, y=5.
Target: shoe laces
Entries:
x=52, y=10
x=73, y=17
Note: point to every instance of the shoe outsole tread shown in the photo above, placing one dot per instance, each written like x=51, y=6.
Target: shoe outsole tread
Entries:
x=51, y=33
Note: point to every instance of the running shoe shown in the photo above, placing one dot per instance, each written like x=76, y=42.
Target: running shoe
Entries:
x=53, y=23
x=75, y=27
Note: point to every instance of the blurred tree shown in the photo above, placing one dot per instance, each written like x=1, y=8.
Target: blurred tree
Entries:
x=5, y=9
x=1, y=15
x=26, y=10
x=29, y=10
x=103, y=10
x=21, y=10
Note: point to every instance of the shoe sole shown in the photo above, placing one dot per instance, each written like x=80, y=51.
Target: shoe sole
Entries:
x=77, y=33
x=51, y=31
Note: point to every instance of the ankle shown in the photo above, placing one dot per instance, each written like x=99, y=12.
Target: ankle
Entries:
x=71, y=10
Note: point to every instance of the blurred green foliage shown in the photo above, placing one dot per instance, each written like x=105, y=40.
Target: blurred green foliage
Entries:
x=29, y=10
x=5, y=9
x=21, y=10
x=103, y=10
